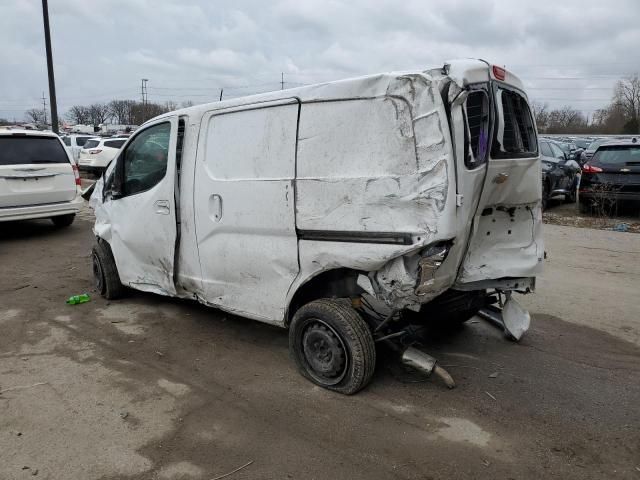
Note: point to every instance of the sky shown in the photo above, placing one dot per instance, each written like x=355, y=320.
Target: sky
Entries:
x=568, y=52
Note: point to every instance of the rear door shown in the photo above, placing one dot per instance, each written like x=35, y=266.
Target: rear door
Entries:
x=244, y=208
x=34, y=170
x=506, y=238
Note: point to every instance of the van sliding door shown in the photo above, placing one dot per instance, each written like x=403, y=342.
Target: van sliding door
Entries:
x=244, y=208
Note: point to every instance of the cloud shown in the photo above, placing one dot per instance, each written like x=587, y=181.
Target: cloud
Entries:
x=105, y=47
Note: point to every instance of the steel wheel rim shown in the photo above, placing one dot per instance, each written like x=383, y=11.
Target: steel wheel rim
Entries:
x=324, y=354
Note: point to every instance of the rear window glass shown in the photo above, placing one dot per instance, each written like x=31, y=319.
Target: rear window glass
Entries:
x=478, y=122
x=80, y=141
x=617, y=155
x=67, y=141
x=26, y=150
x=114, y=143
x=91, y=143
x=516, y=135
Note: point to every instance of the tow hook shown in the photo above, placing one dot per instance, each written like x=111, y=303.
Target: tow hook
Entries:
x=412, y=357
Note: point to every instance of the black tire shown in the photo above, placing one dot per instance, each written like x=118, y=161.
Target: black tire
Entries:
x=105, y=272
x=570, y=197
x=584, y=207
x=63, y=220
x=332, y=346
x=546, y=190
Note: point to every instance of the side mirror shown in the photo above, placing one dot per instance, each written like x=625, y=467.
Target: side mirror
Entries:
x=116, y=189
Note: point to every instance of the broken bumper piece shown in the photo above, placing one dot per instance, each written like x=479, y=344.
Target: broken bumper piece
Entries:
x=513, y=319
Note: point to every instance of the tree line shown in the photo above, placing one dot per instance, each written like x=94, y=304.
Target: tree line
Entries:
x=621, y=116
x=121, y=112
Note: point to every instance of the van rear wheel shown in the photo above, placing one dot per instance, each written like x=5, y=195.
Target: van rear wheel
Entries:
x=332, y=346
x=105, y=272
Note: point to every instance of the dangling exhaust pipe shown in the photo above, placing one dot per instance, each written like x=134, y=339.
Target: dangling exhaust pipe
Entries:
x=414, y=358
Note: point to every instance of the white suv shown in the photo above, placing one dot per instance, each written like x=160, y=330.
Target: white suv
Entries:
x=38, y=178
x=74, y=144
x=97, y=153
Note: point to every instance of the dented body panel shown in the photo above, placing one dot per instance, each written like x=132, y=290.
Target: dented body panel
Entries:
x=370, y=175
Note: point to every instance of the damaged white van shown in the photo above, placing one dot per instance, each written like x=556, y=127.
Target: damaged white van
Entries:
x=348, y=212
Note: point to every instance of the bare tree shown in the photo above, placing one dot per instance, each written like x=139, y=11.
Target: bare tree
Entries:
x=120, y=111
x=78, y=114
x=566, y=120
x=35, y=115
x=627, y=96
x=186, y=104
x=98, y=113
x=170, y=106
x=541, y=114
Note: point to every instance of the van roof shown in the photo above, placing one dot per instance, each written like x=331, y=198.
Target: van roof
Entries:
x=463, y=72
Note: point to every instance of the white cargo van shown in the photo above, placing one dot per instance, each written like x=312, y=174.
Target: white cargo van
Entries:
x=345, y=211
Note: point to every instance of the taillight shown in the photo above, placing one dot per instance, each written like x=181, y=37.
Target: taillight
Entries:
x=586, y=168
x=94, y=151
x=76, y=174
x=499, y=72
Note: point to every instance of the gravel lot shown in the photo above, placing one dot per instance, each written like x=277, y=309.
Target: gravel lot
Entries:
x=154, y=388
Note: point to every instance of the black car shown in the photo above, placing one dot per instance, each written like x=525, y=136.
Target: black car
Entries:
x=559, y=175
x=612, y=175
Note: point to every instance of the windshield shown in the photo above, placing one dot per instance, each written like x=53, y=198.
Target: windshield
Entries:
x=617, y=155
x=515, y=135
x=80, y=141
x=91, y=144
x=24, y=150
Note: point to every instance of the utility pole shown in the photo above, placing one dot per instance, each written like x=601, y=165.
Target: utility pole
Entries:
x=143, y=91
x=52, y=82
x=281, y=80
x=44, y=108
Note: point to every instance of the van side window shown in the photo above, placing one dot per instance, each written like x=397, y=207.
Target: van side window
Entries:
x=477, y=145
x=515, y=135
x=145, y=159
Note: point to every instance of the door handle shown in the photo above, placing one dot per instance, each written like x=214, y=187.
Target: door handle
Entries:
x=162, y=207
x=215, y=207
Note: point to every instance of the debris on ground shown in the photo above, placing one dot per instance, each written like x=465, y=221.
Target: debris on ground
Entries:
x=233, y=471
x=77, y=299
x=21, y=387
x=570, y=218
x=493, y=375
x=491, y=396
x=621, y=227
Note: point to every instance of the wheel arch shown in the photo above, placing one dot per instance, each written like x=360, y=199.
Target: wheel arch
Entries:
x=335, y=283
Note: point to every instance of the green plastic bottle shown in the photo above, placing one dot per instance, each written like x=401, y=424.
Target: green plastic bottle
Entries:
x=76, y=299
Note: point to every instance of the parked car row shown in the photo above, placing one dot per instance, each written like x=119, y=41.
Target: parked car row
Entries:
x=604, y=174
x=93, y=154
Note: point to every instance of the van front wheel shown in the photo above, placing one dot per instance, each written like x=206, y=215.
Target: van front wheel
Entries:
x=105, y=272
x=332, y=346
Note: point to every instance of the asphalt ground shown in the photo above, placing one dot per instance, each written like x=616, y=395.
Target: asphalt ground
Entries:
x=149, y=387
